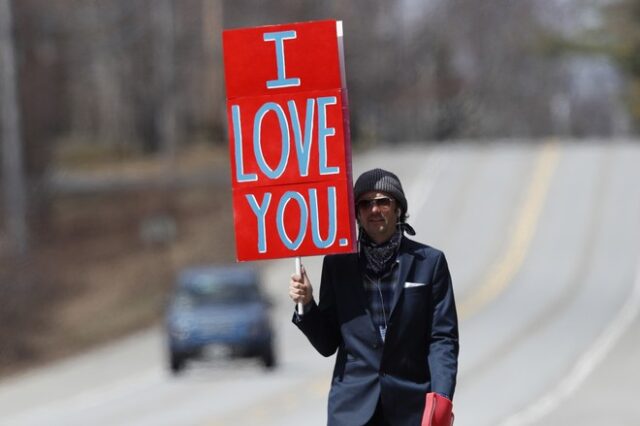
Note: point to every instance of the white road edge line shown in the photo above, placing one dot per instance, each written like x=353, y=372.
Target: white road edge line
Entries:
x=585, y=365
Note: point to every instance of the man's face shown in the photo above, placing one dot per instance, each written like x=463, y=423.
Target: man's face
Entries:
x=377, y=213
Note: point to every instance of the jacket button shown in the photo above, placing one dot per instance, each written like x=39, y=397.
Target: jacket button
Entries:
x=375, y=346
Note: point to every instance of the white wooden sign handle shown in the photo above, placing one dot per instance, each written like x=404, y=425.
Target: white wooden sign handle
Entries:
x=299, y=273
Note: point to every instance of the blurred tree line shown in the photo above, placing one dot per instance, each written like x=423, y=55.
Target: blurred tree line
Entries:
x=624, y=20
x=145, y=76
x=615, y=35
x=450, y=69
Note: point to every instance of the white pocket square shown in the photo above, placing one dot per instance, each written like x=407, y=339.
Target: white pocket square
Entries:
x=411, y=285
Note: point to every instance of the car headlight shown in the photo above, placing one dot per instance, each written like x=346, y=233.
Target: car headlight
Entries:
x=180, y=329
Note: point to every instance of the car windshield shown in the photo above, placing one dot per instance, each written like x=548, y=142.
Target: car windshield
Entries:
x=203, y=290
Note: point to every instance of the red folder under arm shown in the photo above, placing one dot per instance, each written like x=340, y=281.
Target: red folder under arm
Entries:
x=438, y=411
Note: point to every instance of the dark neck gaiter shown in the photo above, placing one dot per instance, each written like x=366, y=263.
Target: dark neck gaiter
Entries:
x=379, y=258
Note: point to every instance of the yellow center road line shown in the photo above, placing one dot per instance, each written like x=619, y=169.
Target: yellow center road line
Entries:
x=502, y=272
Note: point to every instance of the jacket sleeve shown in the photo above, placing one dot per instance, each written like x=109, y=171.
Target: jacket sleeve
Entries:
x=320, y=323
x=444, y=344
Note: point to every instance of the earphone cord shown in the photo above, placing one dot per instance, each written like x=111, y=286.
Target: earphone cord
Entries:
x=384, y=312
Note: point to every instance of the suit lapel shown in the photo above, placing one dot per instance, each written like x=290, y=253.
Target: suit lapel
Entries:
x=355, y=275
x=406, y=261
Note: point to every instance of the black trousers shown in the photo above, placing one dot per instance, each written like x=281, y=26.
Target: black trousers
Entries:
x=378, y=418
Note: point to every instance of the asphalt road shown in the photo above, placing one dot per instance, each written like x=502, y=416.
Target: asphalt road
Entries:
x=543, y=241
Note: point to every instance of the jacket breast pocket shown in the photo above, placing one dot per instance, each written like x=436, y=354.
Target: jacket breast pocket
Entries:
x=415, y=307
x=418, y=297
x=417, y=290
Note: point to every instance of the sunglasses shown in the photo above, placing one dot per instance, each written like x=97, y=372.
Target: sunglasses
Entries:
x=381, y=203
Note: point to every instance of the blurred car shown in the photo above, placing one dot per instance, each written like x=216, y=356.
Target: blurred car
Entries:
x=219, y=311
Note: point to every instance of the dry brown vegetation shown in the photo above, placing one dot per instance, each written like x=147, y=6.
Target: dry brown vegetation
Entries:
x=93, y=275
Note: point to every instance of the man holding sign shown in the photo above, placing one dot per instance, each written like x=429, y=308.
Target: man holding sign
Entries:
x=389, y=312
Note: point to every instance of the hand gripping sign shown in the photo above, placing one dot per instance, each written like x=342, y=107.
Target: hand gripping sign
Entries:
x=289, y=140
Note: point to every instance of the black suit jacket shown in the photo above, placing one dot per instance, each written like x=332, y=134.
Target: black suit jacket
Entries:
x=420, y=354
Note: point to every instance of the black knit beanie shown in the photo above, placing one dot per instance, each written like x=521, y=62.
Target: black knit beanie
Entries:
x=384, y=181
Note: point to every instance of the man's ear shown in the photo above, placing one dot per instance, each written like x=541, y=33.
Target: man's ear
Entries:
x=398, y=211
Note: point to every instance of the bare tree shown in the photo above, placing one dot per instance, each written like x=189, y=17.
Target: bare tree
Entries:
x=212, y=106
x=12, y=162
x=164, y=66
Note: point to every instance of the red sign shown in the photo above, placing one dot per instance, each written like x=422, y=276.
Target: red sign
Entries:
x=289, y=140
